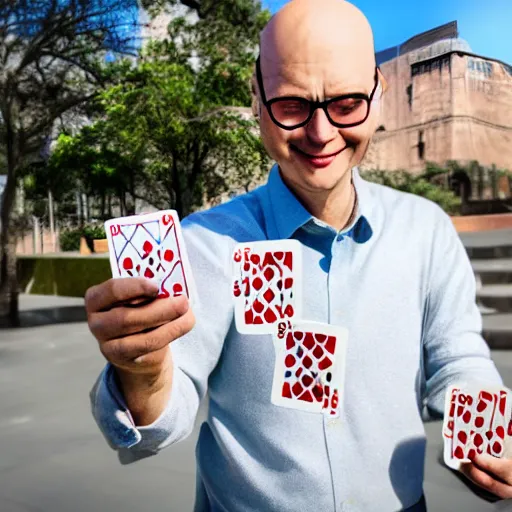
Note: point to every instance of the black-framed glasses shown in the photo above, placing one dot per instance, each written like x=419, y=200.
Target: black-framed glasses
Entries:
x=291, y=112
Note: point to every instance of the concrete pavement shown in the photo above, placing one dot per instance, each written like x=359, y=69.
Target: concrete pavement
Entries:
x=53, y=458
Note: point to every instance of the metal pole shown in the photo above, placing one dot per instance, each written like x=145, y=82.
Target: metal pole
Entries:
x=35, y=220
x=52, y=224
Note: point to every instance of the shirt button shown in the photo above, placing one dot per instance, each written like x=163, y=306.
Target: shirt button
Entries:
x=339, y=238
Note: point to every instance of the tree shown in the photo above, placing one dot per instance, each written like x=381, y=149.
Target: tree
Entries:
x=98, y=163
x=182, y=114
x=51, y=54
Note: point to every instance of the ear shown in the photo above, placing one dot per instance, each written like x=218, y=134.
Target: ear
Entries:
x=376, y=107
x=255, y=100
x=382, y=81
x=382, y=87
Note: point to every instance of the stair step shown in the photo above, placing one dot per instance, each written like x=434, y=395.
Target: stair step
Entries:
x=495, y=290
x=488, y=244
x=494, y=265
x=496, y=296
x=496, y=271
x=497, y=330
x=486, y=311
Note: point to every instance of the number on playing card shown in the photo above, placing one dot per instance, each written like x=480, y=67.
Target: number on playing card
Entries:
x=151, y=246
x=476, y=421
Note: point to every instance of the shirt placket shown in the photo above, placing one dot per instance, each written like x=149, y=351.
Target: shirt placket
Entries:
x=333, y=427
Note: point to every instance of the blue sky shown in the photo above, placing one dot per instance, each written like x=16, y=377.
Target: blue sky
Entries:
x=485, y=24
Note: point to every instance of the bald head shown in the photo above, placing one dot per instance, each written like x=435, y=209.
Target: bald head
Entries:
x=316, y=31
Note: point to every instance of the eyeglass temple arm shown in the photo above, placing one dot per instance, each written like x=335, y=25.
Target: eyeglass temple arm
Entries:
x=259, y=79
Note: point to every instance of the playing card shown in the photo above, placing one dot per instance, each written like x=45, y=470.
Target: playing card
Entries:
x=476, y=420
x=449, y=417
x=310, y=366
x=462, y=431
x=483, y=421
x=500, y=420
x=266, y=284
x=151, y=246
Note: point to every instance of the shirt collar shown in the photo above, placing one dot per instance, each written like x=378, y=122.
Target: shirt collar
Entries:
x=285, y=214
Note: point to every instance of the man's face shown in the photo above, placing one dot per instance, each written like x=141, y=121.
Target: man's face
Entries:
x=318, y=156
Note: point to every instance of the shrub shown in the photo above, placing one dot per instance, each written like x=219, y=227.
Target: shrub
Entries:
x=419, y=185
x=70, y=237
x=94, y=231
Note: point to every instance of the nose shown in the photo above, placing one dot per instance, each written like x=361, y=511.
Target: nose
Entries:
x=319, y=129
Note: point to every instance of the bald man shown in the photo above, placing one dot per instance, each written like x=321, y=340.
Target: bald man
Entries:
x=386, y=265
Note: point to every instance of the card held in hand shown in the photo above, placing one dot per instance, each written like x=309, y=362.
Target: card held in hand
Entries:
x=151, y=246
x=477, y=419
x=266, y=284
x=310, y=367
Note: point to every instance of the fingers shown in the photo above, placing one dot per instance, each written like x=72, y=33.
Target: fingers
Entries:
x=117, y=291
x=491, y=474
x=500, y=468
x=138, y=349
x=119, y=322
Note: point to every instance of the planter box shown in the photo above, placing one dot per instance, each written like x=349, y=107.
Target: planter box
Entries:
x=98, y=246
x=67, y=276
x=473, y=223
x=84, y=247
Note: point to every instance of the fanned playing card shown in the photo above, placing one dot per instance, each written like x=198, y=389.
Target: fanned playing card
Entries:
x=477, y=420
x=151, y=246
x=310, y=366
x=266, y=284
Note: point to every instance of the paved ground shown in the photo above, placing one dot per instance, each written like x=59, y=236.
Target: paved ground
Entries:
x=52, y=457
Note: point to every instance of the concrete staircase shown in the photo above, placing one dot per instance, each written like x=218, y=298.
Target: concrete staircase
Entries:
x=491, y=256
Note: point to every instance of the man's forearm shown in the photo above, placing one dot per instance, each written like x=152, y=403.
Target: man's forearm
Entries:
x=146, y=396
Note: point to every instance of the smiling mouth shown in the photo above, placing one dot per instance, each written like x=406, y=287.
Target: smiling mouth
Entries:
x=318, y=157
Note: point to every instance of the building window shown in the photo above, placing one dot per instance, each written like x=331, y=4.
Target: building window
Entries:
x=409, y=95
x=479, y=67
x=421, y=146
x=420, y=68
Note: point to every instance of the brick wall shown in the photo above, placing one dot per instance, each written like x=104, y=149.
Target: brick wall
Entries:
x=41, y=244
x=458, y=105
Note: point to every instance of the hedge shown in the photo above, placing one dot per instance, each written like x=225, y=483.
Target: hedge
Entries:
x=67, y=276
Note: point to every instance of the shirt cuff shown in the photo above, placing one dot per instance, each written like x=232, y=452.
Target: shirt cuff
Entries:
x=116, y=423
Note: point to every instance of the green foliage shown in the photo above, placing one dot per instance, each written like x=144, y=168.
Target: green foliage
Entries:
x=64, y=276
x=69, y=239
x=422, y=185
x=174, y=129
x=94, y=231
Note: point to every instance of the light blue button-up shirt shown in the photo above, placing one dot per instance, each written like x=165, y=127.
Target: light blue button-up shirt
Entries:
x=398, y=278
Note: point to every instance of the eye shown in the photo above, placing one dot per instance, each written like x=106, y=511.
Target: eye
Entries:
x=291, y=107
x=346, y=106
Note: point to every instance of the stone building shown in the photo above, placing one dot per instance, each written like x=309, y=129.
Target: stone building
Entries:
x=443, y=103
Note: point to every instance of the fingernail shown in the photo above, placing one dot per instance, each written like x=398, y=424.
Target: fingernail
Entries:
x=181, y=304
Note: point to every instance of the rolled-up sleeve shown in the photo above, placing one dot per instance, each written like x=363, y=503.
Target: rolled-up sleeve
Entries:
x=454, y=349
x=195, y=355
